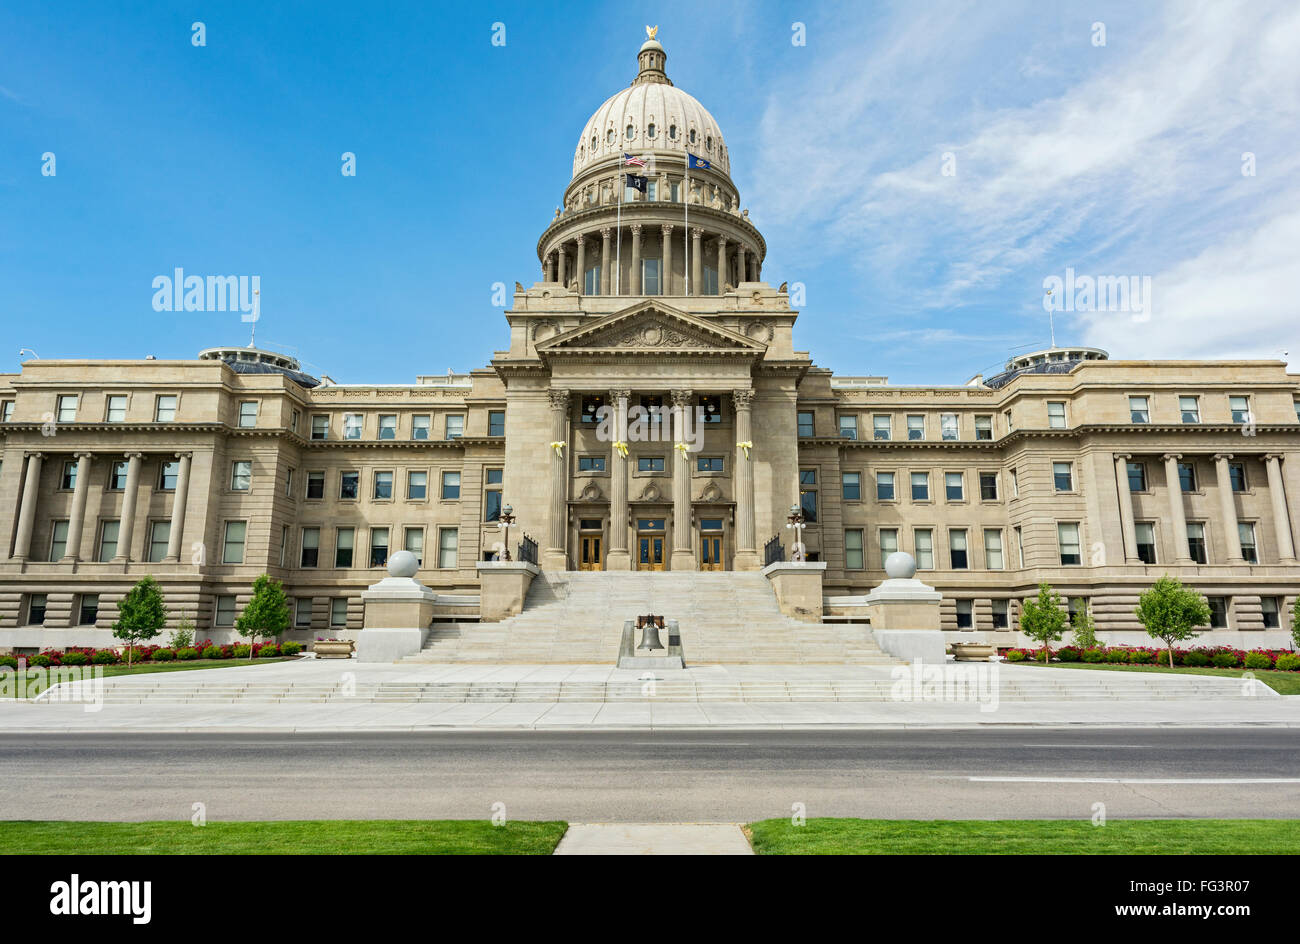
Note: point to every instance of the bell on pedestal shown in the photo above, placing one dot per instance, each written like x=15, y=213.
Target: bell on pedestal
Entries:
x=650, y=637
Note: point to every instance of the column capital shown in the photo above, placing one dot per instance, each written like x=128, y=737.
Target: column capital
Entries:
x=580, y=239
x=559, y=398
x=606, y=232
x=742, y=398
x=1172, y=456
x=697, y=233
x=133, y=455
x=617, y=394
x=1272, y=457
x=636, y=229
x=667, y=229
x=184, y=455
x=682, y=398
x=34, y=455
x=1222, y=456
x=83, y=454
x=722, y=241
x=1123, y=456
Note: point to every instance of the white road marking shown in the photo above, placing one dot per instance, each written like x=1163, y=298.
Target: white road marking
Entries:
x=1165, y=780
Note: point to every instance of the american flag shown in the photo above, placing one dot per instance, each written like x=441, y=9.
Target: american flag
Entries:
x=630, y=161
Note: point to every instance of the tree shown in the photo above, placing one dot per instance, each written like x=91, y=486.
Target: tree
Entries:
x=141, y=614
x=266, y=615
x=1084, y=629
x=1043, y=620
x=1295, y=623
x=1171, y=612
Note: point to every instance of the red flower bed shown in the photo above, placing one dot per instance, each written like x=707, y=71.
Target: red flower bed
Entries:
x=1227, y=656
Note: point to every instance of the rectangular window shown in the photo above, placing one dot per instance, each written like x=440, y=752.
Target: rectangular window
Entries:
x=957, y=549
x=590, y=413
x=1246, y=531
x=353, y=424
x=447, y=546
x=1063, y=476
x=160, y=533
x=302, y=612
x=59, y=541
x=1056, y=414
x=383, y=486
x=1237, y=476
x=288, y=483
x=710, y=281
x=492, y=505
x=378, y=547
x=853, y=549
x=7, y=411
x=993, y=549
x=225, y=611
x=455, y=426
x=247, y=413
x=339, y=612
x=948, y=426
x=1196, y=542
x=1146, y=541
x=450, y=485
x=988, y=486
x=1138, y=411
x=417, y=486
x=1001, y=613
x=924, y=549
x=650, y=276
x=806, y=425
x=420, y=427
x=882, y=426
x=1015, y=484
x=1137, y=477
x=888, y=543
x=293, y=421
x=349, y=485
x=36, y=605
x=164, y=410
x=1272, y=609
x=1240, y=407
x=915, y=426
x=848, y=426
x=591, y=280
x=344, y=544
x=387, y=426
x=284, y=544
x=650, y=463
x=413, y=541
x=1190, y=409
x=1067, y=537
x=708, y=464
x=88, y=609
x=1020, y=547
x=320, y=426
x=241, y=476
x=108, y=540
x=68, y=480
x=1187, y=476
x=920, y=486
x=965, y=614
x=310, y=547
x=1218, y=612
x=496, y=422
x=954, y=486
x=884, y=486
x=808, y=504
x=67, y=408
x=984, y=428
x=315, y=485
x=115, y=411
x=591, y=464
x=168, y=475
x=232, y=550
x=851, y=486
x=117, y=477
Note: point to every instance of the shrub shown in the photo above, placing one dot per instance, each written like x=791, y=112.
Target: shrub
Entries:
x=1068, y=654
x=1225, y=660
x=1116, y=655
x=267, y=651
x=8, y=662
x=1259, y=660
x=182, y=636
x=1141, y=657
x=164, y=655
x=40, y=660
x=1196, y=659
x=1015, y=655
x=291, y=648
x=1093, y=655
x=242, y=651
x=187, y=653
x=213, y=652
x=105, y=657
x=74, y=658
x=1288, y=662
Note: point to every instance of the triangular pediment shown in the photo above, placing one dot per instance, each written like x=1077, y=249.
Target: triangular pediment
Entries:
x=650, y=327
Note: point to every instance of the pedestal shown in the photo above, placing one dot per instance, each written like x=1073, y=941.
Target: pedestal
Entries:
x=399, y=610
x=503, y=585
x=798, y=588
x=904, y=613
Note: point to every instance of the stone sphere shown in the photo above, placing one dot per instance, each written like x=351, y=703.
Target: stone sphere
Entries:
x=403, y=564
x=900, y=565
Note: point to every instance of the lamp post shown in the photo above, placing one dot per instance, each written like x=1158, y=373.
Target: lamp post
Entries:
x=506, y=519
x=795, y=522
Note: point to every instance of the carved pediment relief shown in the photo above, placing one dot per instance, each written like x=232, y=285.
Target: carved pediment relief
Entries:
x=651, y=327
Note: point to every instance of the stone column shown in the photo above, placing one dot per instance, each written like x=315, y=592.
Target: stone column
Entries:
x=617, y=557
x=1228, y=509
x=126, y=529
x=666, y=265
x=558, y=531
x=1126, y=509
x=564, y=267
x=722, y=264
x=683, y=551
x=179, y=501
x=27, y=510
x=741, y=274
x=636, y=260
x=1177, y=519
x=605, y=233
x=582, y=264
x=548, y=267
x=77, y=519
x=746, y=551
x=1281, y=519
x=697, y=262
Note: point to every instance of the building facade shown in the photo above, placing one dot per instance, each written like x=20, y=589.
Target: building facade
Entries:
x=651, y=412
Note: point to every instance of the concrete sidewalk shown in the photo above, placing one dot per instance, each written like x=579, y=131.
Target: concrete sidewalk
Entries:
x=654, y=839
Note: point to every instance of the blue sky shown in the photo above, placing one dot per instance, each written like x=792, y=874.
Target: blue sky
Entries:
x=1117, y=159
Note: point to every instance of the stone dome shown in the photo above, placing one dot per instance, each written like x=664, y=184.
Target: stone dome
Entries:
x=661, y=117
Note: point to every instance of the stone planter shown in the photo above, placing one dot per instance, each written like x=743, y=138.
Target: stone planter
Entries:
x=973, y=651
x=333, y=648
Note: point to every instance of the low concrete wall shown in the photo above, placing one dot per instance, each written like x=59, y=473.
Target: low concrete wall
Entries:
x=503, y=586
x=798, y=588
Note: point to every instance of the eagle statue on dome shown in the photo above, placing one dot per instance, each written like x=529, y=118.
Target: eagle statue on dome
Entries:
x=651, y=31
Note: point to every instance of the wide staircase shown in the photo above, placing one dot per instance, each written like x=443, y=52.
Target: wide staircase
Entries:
x=727, y=617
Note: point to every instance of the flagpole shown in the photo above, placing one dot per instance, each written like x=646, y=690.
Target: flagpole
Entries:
x=618, y=239
x=686, y=221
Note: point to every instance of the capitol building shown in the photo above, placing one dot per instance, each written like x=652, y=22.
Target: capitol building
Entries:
x=650, y=411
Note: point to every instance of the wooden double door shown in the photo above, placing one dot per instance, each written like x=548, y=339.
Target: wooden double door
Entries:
x=592, y=557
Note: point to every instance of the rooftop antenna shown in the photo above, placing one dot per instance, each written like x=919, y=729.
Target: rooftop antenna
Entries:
x=1051, y=318
x=253, y=336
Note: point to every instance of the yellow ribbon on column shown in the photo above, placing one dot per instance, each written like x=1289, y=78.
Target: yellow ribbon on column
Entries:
x=746, y=445
x=621, y=447
x=559, y=448
x=682, y=447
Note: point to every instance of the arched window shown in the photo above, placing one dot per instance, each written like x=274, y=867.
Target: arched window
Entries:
x=630, y=131
x=593, y=142
x=650, y=130
x=708, y=142
x=692, y=135
x=672, y=132
x=610, y=136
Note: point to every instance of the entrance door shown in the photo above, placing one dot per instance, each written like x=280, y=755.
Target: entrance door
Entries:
x=590, y=553
x=650, y=552
x=711, y=552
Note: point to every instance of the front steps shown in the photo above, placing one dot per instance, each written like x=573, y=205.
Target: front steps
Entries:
x=577, y=617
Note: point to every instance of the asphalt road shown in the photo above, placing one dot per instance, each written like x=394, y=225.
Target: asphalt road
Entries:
x=647, y=777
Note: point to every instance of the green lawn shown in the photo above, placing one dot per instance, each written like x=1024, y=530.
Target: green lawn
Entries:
x=1026, y=837
x=294, y=837
x=1284, y=683
x=149, y=668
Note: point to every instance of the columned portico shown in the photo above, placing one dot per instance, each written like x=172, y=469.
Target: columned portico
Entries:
x=746, y=555
x=556, y=556
x=683, y=548
x=618, y=557
x=1231, y=536
x=1126, y=509
x=1281, y=517
x=1177, y=517
x=77, y=517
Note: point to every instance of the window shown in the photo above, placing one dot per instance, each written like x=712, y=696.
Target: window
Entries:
x=1067, y=537
x=353, y=423
x=882, y=426
x=1240, y=407
x=1015, y=484
x=984, y=428
x=993, y=549
x=349, y=485
x=225, y=612
x=344, y=543
x=315, y=485
x=1196, y=542
x=1137, y=477
x=108, y=540
x=7, y=411
x=708, y=464
x=884, y=486
x=288, y=483
x=387, y=426
x=710, y=286
x=948, y=426
x=965, y=616
x=160, y=533
x=339, y=612
x=1187, y=476
x=650, y=267
x=117, y=477
x=988, y=486
x=496, y=422
x=853, y=549
x=1190, y=408
x=36, y=604
x=1001, y=613
x=1138, y=411
x=591, y=463
x=915, y=427
x=68, y=479
x=1237, y=476
x=1145, y=532
x=954, y=486
x=848, y=426
x=302, y=612
x=413, y=541
x=232, y=551
x=59, y=541
x=924, y=549
x=808, y=500
x=591, y=280
x=284, y=544
x=920, y=486
x=1020, y=546
x=888, y=543
x=492, y=505
x=450, y=485
x=447, y=544
x=851, y=486
x=168, y=475
x=1218, y=612
x=383, y=486
x=378, y=547
x=294, y=416
x=1063, y=476
x=417, y=486
x=115, y=411
x=320, y=427
x=164, y=410
x=806, y=426
x=650, y=463
x=88, y=609
x=420, y=427
x=1271, y=607
x=247, y=413
x=311, y=554
x=1056, y=414
x=67, y=408
x=241, y=476
x=957, y=549
x=1246, y=531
